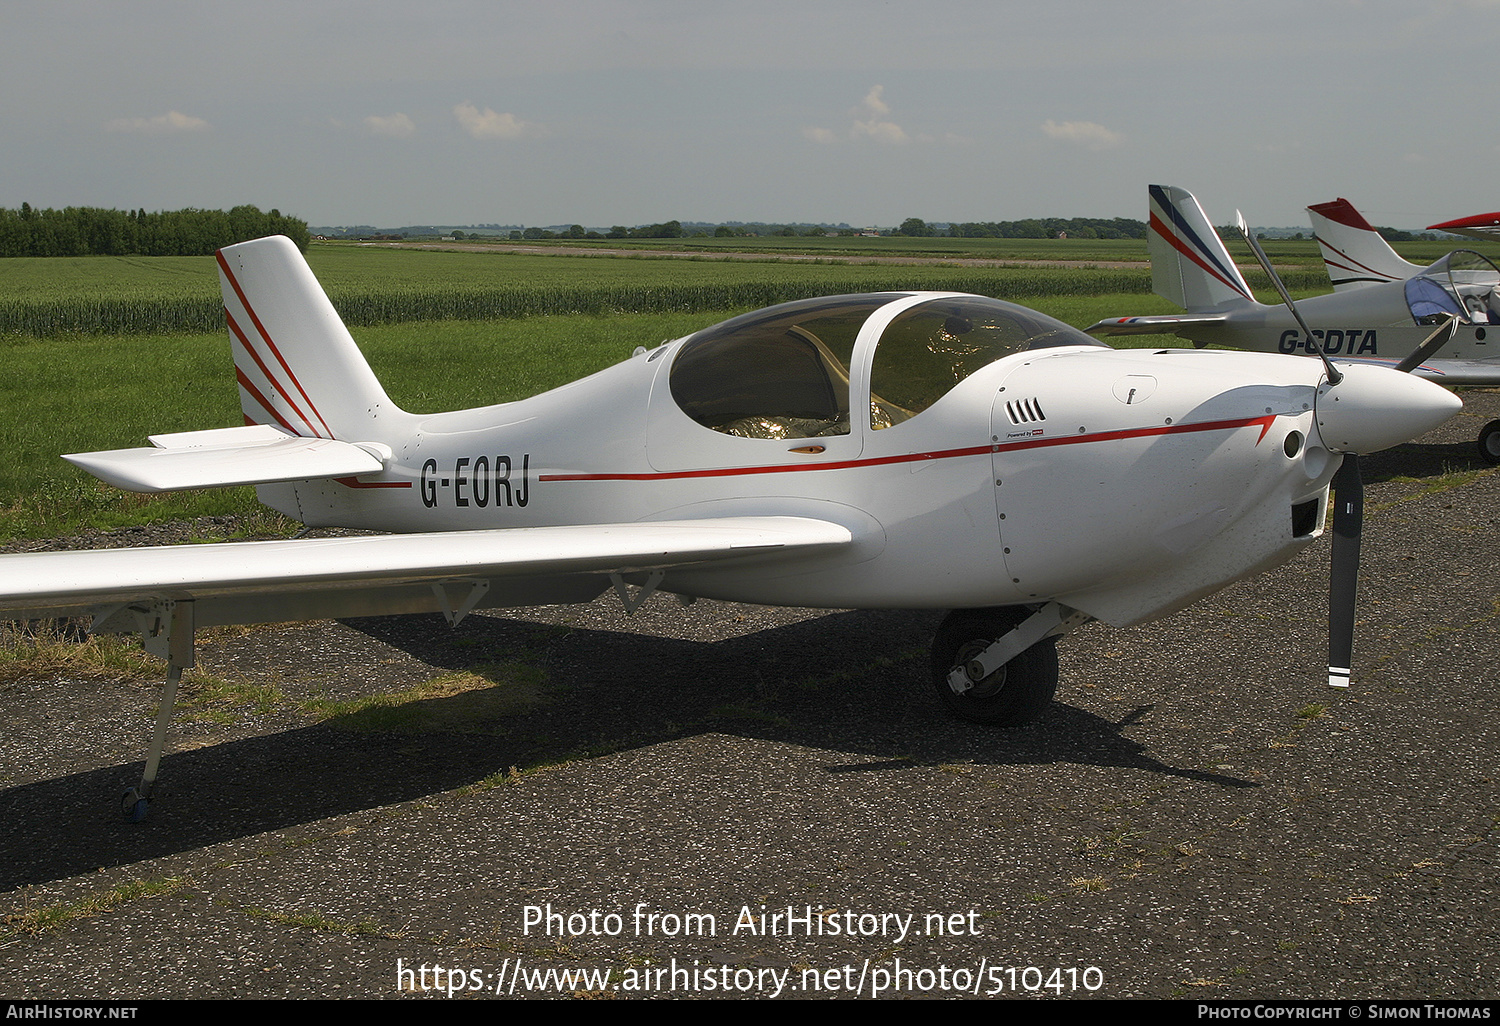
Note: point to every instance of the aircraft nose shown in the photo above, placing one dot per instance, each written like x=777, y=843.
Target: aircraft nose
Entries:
x=1374, y=408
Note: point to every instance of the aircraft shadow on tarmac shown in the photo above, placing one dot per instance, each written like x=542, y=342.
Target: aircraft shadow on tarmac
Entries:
x=1421, y=461
x=854, y=683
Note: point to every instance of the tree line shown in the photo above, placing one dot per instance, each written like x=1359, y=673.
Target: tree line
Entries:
x=93, y=231
x=1031, y=228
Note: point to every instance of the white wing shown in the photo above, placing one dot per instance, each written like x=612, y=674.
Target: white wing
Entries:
x=275, y=581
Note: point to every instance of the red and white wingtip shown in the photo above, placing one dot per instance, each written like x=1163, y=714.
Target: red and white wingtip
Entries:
x=1478, y=226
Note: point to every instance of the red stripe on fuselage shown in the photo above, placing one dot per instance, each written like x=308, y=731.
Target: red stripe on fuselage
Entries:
x=1264, y=423
x=354, y=482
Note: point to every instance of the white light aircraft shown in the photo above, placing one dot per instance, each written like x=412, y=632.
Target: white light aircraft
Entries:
x=1382, y=310
x=896, y=450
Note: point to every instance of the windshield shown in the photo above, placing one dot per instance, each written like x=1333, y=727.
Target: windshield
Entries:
x=1463, y=282
x=930, y=348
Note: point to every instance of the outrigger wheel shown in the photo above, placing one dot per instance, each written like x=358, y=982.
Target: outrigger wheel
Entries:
x=1013, y=695
x=133, y=805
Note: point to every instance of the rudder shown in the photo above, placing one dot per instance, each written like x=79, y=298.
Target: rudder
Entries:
x=1189, y=264
x=1354, y=253
x=297, y=365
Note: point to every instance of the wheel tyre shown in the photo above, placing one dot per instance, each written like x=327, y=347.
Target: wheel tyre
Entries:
x=1489, y=442
x=134, y=806
x=1013, y=695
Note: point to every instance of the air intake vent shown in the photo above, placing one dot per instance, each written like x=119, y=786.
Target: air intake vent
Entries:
x=1025, y=411
x=1304, y=518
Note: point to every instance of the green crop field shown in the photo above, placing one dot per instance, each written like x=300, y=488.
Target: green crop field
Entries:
x=48, y=297
x=42, y=298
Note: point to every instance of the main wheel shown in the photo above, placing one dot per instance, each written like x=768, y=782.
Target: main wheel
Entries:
x=1489, y=442
x=1015, y=694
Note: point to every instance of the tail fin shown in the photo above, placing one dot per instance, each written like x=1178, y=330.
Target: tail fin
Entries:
x=1353, y=250
x=1189, y=264
x=297, y=365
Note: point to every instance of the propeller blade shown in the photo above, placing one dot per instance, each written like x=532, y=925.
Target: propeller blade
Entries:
x=1343, y=578
x=1437, y=340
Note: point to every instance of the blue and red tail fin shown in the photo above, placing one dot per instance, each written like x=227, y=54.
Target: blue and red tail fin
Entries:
x=297, y=366
x=1189, y=264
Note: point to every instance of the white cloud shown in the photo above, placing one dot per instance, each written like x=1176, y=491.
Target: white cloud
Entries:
x=881, y=131
x=1083, y=133
x=397, y=126
x=873, y=104
x=869, y=119
x=486, y=124
x=169, y=123
x=870, y=122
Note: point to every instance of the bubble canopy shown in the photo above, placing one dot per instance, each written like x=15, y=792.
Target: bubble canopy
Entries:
x=784, y=372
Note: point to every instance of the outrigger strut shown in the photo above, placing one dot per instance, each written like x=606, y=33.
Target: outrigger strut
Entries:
x=166, y=629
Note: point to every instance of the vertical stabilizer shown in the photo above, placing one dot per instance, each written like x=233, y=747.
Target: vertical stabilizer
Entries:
x=1189, y=264
x=1353, y=251
x=297, y=366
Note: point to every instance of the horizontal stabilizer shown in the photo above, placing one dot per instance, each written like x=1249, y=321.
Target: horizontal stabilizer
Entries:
x=276, y=581
x=1162, y=324
x=254, y=454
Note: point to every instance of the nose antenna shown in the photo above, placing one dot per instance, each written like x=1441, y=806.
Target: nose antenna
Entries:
x=1334, y=374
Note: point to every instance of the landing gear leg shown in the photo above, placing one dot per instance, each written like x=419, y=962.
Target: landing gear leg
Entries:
x=999, y=666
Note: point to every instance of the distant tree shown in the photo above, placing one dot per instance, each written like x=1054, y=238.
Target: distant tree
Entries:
x=79, y=231
x=669, y=230
x=458, y=234
x=914, y=226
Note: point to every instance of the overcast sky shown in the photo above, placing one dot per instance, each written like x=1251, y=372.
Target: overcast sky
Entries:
x=605, y=112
